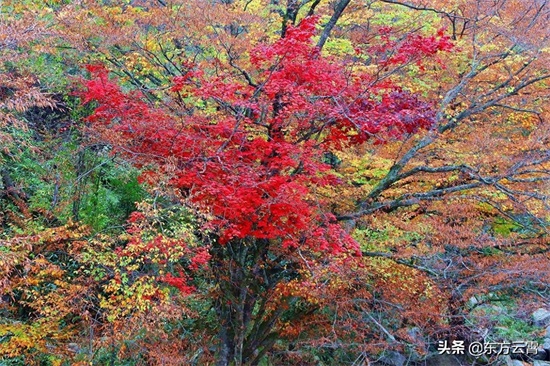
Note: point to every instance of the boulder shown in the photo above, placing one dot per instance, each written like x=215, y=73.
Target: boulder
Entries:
x=393, y=358
x=73, y=347
x=473, y=301
x=541, y=317
x=418, y=348
x=542, y=354
x=446, y=360
x=505, y=361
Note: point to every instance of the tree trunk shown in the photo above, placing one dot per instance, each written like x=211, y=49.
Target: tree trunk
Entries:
x=245, y=279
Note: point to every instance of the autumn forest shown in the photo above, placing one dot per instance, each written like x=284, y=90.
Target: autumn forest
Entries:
x=274, y=182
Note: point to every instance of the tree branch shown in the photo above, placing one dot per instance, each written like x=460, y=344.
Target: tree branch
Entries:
x=338, y=10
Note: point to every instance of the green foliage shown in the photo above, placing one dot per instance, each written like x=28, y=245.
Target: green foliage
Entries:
x=70, y=182
x=505, y=227
x=12, y=361
x=502, y=319
x=111, y=196
x=383, y=239
x=513, y=328
x=516, y=223
x=56, y=70
x=110, y=356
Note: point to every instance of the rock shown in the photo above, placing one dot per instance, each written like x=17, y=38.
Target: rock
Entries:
x=416, y=334
x=418, y=348
x=393, y=358
x=546, y=344
x=505, y=361
x=547, y=332
x=541, y=318
x=73, y=347
x=541, y=363
x=446, y=360
x=541, y=355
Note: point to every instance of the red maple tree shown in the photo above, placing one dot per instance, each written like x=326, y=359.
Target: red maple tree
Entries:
x=248, y=151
